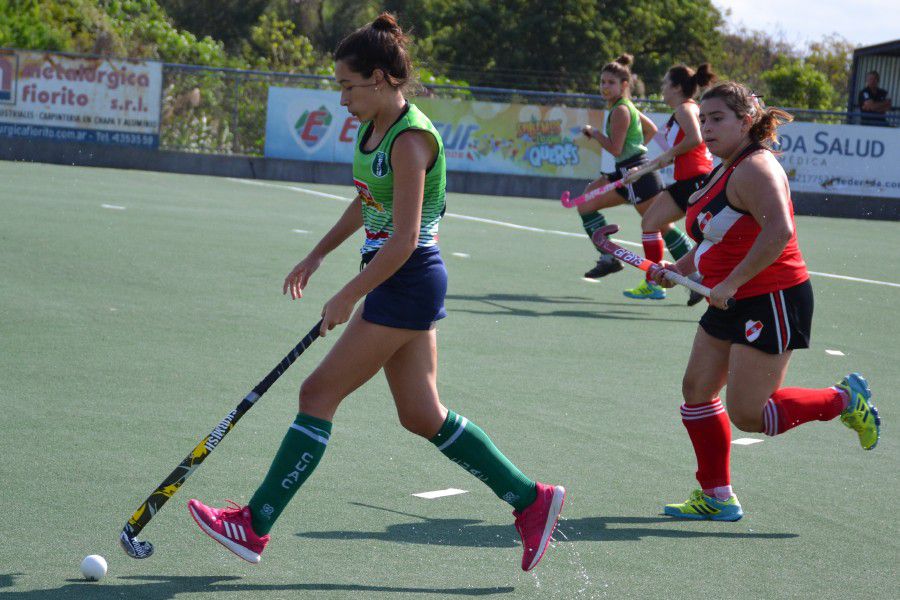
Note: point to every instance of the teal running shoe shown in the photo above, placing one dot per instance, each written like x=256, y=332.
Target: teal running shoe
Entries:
x=646, y=291
x=700, y=506
x=860, y=415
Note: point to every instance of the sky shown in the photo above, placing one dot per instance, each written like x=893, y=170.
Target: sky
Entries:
x=863, y=22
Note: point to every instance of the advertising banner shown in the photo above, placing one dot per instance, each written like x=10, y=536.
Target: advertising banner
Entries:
x=483, y=137
x=56, y=97
x=844, y=159
x=523, y=139
x=309, y=125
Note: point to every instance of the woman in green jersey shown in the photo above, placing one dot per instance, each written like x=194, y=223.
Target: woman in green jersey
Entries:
x=625, y=136
x=399, y=169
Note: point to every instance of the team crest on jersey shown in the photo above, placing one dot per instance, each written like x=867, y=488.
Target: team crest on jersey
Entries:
x=380, y=164
x=703, y=220
x=752, y=330
x=366, y=194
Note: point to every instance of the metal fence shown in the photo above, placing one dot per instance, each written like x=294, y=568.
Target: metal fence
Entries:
x=223, y=111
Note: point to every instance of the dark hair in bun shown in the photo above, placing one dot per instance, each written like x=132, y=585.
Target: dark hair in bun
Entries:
x=621, y=67
x=379, y=45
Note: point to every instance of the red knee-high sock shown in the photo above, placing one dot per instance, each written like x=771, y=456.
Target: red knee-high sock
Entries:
x=710, y=431
x=653, y=247
x=789, y=407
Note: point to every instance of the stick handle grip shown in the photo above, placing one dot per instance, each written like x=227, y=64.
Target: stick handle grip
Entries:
x=691, y=284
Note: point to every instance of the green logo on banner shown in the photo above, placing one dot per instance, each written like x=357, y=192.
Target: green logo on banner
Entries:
x=380, y=164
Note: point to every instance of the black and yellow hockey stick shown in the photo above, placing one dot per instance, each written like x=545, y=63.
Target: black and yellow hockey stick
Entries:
x=136, y=548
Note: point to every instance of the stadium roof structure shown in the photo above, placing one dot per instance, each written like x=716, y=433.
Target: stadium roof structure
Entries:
x=882, y=49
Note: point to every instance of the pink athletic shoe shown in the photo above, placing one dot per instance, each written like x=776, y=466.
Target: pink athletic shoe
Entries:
x=536, y=523
x=231, y=527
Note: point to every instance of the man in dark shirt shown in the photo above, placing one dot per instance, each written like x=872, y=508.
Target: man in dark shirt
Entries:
x=874, y=101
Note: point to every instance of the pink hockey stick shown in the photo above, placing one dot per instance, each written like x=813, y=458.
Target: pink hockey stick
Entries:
x=602, y=241
x=568, y=202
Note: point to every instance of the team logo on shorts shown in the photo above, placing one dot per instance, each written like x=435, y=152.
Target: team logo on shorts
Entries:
x=703, y=220
x=752, y=329
x=380, y=164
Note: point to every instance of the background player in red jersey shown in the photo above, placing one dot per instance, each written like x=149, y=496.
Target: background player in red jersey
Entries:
x=743, y=222
x=692, y=159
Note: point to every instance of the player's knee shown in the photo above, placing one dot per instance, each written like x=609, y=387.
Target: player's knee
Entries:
x=422, y=424
x=314, y=401
x=746, y=420
x=694, y=392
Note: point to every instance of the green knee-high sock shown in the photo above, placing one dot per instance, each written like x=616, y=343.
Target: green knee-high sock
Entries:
x=467, y=445
x=677, y=242
x=300, y=452
x=592, y=222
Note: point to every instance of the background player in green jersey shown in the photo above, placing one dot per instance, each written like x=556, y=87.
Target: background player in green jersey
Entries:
x=399, y=169
x=625, y=136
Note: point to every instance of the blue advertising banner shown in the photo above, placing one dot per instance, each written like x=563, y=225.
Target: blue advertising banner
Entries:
x=512, y=139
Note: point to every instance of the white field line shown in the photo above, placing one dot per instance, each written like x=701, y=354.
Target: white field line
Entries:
x=440, y=493
x=746, y=441
x=112, y=206
x=860, y=280
x=302, y=190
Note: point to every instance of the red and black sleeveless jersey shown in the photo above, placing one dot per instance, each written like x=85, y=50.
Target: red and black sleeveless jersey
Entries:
x=693, y=163
x=724, y=235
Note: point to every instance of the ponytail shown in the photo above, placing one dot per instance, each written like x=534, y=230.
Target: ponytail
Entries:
x=682, y=76
x=765, y=128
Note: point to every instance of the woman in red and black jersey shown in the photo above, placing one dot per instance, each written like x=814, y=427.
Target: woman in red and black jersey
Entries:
x=743, y=222
x=692, y=159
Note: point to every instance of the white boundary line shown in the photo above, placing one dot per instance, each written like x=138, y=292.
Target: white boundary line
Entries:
x=440, y=493
x=746, y=441
x=295, y=188
x=875, y=281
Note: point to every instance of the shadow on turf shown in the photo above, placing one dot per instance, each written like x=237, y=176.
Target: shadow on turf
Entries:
x=471, y=533
x=164, y=587
x=497, y=302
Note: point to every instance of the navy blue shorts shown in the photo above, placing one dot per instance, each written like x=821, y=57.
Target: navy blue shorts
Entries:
x=641, y=190
x=682, y=190
x=413, y=297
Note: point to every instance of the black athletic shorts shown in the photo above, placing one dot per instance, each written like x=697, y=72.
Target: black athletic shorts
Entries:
x=773, y=322
x=641, y=190
x=681, y=190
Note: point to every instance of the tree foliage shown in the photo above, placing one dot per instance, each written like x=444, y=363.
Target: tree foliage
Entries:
x=228, y=21
x=136, y=28
x=832, y=56
x=797, y=83
x=558, y=44
x=746, y=55
x=272, y=44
